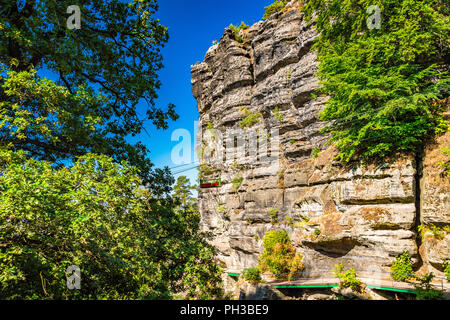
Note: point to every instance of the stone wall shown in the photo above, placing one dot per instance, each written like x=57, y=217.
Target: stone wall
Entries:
x=363, y=217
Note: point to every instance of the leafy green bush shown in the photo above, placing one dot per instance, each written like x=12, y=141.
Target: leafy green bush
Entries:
x=277, y=6
x=289, y=221
x=252, y=275
x=446, y=267
x=387, y=86
x=436, y=232
x=250, y=119
x=279, y=256
x=315, y=152
x=237, y=182
x=289, y=75
x=278, y=114
x=424, y=290
x=401, y=269
x=348, y=278
x=273, y=214
x=445, y=165
x=237, y=29
x=97, y=215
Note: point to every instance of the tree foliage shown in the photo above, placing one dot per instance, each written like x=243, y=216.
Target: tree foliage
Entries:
x=424, y=290
x=101, y=72
x=446, y=267
x=277, y=6
x=279, y=256
x=387, y=85
x=252, y=275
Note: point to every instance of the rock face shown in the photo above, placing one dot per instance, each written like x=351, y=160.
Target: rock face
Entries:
x=363, y=217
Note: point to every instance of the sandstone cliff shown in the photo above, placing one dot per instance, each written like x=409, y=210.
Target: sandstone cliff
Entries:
x=362, y=216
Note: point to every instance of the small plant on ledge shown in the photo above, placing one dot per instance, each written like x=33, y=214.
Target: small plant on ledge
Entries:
x=348, y=278
x=433, y=231
x=446, y=267
x=237, y=29
x=424, y=290
x=445, y=165
x=252, y=275
x=278, y=114
x=315, y=152
x=277, y=6
x=250, y=119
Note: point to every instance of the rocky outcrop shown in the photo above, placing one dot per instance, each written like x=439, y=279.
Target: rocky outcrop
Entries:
x=435, y=204
x=362, y=216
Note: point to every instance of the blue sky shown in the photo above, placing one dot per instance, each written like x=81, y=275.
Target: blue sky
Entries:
x=193, y=25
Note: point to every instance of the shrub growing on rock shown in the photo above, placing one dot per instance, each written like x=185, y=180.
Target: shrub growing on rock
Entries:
x=251, y=118
x=388, y=93
x=279, y=256
x=252, y=275
x=401, y=269
x=277, y=6
x=237, y=182
x=348, y=278
x=424, y=290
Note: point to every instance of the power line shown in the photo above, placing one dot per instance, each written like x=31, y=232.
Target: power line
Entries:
x=185, y=170
x=184, y=165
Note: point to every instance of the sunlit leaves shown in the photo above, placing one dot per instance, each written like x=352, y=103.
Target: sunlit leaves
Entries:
x=385, y=85
x=96, y=215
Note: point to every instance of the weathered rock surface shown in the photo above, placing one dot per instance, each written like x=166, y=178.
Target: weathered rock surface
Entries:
x=363, y=217
x=435, y=204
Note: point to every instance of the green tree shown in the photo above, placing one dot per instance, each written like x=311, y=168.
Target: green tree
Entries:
x=101, y=73
x=401, y=269
x=387, y=86
x=348, y=278
x=252, y=275
x=98, y=216
x=446, y=267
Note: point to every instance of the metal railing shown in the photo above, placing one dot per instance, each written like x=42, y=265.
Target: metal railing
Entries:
x=374, y=279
